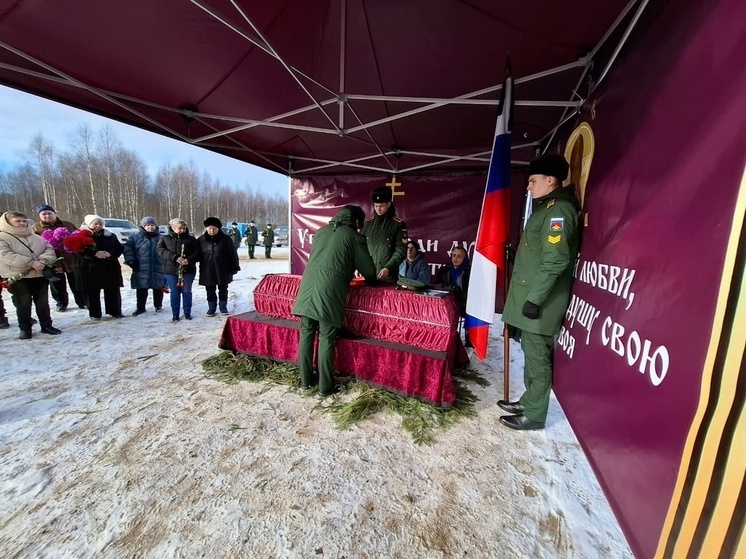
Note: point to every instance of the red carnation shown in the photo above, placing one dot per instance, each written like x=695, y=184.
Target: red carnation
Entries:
x=78, y=241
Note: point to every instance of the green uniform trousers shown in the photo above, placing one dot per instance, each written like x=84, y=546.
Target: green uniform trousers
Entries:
x=537, y=374
x=328, y=335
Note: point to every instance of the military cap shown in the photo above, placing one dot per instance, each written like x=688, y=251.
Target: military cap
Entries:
x=381, y=195
x=549, y=164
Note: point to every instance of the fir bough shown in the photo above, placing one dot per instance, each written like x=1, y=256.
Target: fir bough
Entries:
x=419, y=419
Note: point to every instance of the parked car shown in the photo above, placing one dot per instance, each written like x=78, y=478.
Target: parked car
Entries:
x=122, y=228
x=281, y=235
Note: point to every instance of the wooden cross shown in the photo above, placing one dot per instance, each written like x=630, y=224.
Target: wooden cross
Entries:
x=393, y=184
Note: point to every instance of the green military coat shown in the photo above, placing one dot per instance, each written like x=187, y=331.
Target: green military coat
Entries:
x=338, y=250
x=269, y=237
x=544, y=263
x=386, y=236
x=252, y=235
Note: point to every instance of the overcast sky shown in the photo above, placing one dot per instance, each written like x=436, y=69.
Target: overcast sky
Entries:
x=22, y=116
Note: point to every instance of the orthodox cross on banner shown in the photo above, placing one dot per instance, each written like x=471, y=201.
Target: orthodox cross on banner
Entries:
x=393, y=184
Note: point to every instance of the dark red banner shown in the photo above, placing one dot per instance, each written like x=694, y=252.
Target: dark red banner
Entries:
x=670, y=149
x=440, y=211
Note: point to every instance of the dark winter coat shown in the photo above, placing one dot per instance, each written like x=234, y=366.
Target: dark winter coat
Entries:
x=41, y=226
x=252, y=235
x=544, y=263
x=269, y=237
x=417, y=269
x=99, y=273
x=141, y=254
x=338, y=250
x=169, y=249
x=460, y=287
x=218, y=259
x=386, y=236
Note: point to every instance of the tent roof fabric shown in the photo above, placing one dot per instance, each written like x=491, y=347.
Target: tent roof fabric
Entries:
x=314, y=86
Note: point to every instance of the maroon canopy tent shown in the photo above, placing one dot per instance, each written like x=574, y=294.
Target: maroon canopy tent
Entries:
x=343, y=94
x=316, y=87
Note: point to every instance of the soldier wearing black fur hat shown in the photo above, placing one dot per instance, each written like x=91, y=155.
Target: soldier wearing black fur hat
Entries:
x=540, y=286
x=386, y=235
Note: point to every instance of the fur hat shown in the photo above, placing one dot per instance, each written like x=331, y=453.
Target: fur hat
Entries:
x=213, y=221
x=549, y=164
x=147, y=220
x=381, y=195
x=90, y=218
x=44, y=208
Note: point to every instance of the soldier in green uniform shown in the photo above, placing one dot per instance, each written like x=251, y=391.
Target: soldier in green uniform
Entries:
x=252, y=236
x=386, y=235
x=235, y=235
x=540, y=286
x=338, y=250
x=269, y=238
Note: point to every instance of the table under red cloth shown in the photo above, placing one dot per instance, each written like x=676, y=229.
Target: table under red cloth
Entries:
x=418, y=373
x=403, y=341
x=380, y=312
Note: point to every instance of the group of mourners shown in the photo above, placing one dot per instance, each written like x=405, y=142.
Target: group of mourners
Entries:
x=30, y=267
x=378, y=248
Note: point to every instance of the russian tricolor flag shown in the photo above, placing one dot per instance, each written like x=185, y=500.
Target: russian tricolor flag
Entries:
x=494, y=230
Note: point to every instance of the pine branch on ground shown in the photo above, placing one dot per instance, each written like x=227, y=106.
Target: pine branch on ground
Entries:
x=418, y=418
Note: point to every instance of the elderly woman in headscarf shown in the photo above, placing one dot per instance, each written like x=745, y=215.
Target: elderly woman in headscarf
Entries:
x=24, y=255
x=140, y=254
x=179, y=254
x=97, y=268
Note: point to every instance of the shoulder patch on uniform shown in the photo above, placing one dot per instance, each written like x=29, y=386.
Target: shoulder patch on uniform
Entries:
x=551, y=203
x=557, y=224
x=554, y=239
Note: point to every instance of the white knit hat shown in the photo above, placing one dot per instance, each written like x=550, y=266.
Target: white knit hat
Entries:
x=90, y=218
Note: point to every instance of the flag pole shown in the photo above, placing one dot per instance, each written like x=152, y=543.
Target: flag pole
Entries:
x=506, y=331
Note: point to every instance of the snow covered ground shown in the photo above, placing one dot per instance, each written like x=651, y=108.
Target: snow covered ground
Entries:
x=115, y=445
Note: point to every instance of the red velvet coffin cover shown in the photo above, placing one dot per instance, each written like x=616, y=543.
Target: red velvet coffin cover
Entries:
x=377, y=312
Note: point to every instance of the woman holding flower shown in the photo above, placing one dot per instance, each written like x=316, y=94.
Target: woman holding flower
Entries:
x=179, y=254
x=23, y=257
x=54, y=230
x=96, y=267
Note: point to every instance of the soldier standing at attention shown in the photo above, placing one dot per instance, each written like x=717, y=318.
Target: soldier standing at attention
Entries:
x=269, y=238
x=235, y=235
x=386, y=235
x=540, y=286
x=338, y=250
x=252, y=236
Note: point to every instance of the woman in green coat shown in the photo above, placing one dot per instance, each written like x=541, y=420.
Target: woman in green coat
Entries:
x=338, y=250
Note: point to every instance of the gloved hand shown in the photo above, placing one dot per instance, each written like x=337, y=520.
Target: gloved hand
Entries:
x=530, y=310
x=132, y=264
